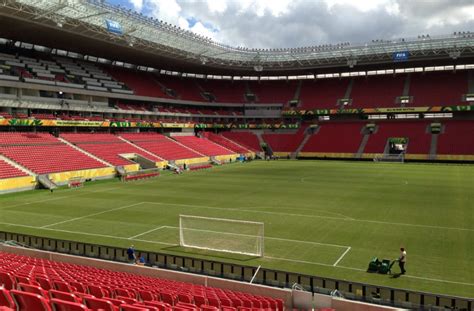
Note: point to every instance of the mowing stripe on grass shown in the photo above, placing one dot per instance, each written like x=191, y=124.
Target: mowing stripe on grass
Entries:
x=87, y=233
x=62, y=197
x=315, y=216
x=268, y=257
x=266, y=237
x=90, y=215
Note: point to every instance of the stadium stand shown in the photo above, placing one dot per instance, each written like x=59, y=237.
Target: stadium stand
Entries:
x=286, y=143
x=9, y=171
x=225, y=91
x=456, y=139
x=245, y=138
x=225, y=142
x=333, y=138
x=108, y=147
x=43, y=153
x=322, y=93
x=274, y=91
x=416, y=132
x=141, y=83
x=438, y=88
x=376, y=92
x=185, y=89
x=202, y=145
x=37, y=284
x=59, y=71
x=161, y=145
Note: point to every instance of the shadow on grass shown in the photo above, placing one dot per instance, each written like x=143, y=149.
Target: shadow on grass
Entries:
x=396, y=275
x=193, y=252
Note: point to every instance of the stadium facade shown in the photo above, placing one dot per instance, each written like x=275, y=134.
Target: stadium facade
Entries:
x=91, y=91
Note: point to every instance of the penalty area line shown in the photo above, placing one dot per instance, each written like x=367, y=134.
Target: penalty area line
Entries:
x=146, y=232
x=88, y=234
x=90, y=215
x=267, y=257
x=342, y=256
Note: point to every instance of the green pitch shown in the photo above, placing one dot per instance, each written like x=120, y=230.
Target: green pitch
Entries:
x=322, y=218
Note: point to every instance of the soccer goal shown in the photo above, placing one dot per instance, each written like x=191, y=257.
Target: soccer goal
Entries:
x=75, y=182
x=222, y=235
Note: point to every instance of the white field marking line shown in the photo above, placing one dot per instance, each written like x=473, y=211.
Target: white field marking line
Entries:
x=363, y=270
x=62, y=197
x=143, y=233
x=86, y=233
x=315, y=216
x=90, y=215
x=342, y=256
x=304, y=209
x=268, y=257
x=272, y=238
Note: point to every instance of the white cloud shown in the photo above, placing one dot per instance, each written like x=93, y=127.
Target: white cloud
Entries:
x=290, y=23
x=261, y=7
x=202, y=30
x=137, y=4
x=361, y=5
x=392, y=8
x=166, y=10
x=219, y=6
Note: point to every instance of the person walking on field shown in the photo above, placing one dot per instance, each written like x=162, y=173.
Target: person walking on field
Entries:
x=402, y=260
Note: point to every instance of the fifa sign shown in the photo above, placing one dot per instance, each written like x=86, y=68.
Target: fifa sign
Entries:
x=400, y=56
x=113, y=26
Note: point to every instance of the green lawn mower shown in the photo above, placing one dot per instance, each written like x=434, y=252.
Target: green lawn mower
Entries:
x=382, y=267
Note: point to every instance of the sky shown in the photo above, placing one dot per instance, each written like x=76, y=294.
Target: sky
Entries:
x=299, y=23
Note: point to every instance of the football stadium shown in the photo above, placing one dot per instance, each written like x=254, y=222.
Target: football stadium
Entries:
x=146, y=167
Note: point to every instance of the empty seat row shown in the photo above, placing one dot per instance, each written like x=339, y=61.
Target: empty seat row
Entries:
x=44, y=281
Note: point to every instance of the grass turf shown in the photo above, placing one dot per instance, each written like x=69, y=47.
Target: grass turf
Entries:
x=324, y=207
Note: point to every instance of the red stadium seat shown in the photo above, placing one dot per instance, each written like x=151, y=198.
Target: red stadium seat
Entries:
x=33, y=289
x=5, y=298
x=97, y=303
x=7, y=280
x=126, y=307
x=63, y=305
x=28, y=301
x=63, y=296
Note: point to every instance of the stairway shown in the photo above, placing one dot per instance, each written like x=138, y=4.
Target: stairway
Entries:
x=298, y=90
x=406, y=86
x=84, y=152
x=46, y=182
x=347, y=95
x=260, y=138
x=18, y=166
x=144, y=162
x=433, y=147
x=138, y=147
x=201, y=90
x=363, y=143
x=295, y=154
x=177, y=142
x=470, y=82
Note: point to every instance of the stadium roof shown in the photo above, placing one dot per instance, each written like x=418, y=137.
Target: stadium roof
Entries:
x=81, y=26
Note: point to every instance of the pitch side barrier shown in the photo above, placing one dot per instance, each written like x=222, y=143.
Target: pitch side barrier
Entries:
x=376, y=294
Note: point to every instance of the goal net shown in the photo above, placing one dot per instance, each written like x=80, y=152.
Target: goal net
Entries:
x=222, y=235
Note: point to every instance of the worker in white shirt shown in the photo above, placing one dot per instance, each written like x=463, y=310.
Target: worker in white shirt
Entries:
x=402, y=260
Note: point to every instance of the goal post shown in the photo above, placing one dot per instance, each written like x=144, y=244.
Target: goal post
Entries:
x=222, y=235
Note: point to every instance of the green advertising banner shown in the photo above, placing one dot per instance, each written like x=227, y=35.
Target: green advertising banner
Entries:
x=318, y=112
x=124, y=124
